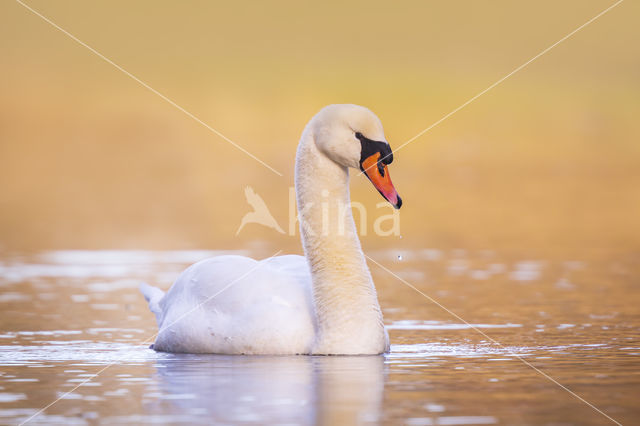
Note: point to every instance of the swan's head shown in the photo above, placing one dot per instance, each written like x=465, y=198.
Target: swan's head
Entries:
x=352, y=136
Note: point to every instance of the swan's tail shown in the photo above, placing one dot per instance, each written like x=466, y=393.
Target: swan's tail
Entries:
x=153, y=295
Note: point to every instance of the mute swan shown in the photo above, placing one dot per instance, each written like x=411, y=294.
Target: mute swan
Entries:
x=324, y=303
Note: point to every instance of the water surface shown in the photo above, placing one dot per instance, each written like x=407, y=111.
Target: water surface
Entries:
x=73, y=328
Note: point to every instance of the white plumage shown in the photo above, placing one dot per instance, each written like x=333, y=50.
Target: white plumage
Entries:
x=235, y=304
x=324, y=303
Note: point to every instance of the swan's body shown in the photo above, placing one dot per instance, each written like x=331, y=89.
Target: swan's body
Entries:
x=325, y=303
x=265, y=309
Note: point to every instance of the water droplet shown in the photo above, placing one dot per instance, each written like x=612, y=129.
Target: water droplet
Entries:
x=399, y=257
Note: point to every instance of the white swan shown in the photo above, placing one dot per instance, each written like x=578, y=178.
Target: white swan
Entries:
x=325, y=303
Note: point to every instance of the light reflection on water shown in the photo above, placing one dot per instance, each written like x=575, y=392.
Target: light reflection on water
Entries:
x=67, y=315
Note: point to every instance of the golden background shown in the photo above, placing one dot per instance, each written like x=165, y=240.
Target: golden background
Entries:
x=547, y=160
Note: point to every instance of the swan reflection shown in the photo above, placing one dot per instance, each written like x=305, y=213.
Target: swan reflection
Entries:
x=266, y=389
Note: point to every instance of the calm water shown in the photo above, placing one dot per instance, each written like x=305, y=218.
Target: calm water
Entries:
x=72, y=318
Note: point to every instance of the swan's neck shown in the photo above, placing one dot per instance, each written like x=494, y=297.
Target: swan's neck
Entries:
x=349, y=319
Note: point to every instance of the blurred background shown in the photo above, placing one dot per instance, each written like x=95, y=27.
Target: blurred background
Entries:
x=549, y=160
x=521, y=211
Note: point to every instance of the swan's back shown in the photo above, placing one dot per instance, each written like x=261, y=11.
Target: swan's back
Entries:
x=235, y=304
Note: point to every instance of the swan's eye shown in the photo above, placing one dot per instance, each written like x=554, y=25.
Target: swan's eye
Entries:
x=359, y=135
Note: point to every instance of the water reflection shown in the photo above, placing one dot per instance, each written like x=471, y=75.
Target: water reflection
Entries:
x=307, y=390
x=66, y=317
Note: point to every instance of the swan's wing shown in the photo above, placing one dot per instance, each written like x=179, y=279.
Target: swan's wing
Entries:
x=234, y=304
x=292, y=264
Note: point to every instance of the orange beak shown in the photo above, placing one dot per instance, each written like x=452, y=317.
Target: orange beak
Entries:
x=378, y=174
